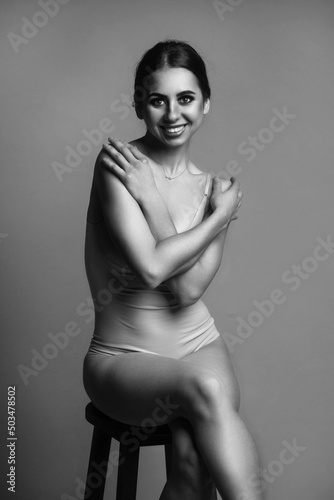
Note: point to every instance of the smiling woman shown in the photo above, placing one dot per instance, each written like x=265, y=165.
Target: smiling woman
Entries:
x=172, y=113
x=172, y=91
x=160, y=222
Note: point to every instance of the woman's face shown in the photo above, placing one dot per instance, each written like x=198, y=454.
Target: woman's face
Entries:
x=174, y=107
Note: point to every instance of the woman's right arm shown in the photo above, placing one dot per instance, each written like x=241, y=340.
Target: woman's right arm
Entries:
x=152, y=262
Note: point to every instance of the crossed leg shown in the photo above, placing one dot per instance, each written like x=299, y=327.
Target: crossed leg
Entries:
x=189, y=478
x=202, y=390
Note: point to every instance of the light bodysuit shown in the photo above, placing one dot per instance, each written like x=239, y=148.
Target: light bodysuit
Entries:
x=137, y=318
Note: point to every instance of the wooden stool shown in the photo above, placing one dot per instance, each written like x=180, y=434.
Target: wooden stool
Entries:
x=105, y=429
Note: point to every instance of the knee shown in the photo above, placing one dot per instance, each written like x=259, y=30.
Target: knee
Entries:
x=207, y=394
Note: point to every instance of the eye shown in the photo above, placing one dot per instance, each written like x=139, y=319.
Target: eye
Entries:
x=157, y=102
x=186, y=99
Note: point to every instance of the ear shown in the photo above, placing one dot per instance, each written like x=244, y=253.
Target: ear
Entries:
x=206, y=106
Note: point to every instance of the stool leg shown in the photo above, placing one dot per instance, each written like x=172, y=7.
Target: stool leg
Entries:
x=168, y=458
x=99, y=456
x=127, y=473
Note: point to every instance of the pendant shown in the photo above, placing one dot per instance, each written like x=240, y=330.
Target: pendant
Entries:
x=175, y=176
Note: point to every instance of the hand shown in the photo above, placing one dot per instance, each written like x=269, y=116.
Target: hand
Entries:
x=131, y=167
x=226, y=198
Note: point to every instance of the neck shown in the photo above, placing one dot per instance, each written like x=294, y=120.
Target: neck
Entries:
x=174, y=160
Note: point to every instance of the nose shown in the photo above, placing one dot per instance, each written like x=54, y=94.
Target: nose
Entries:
x=172, y=112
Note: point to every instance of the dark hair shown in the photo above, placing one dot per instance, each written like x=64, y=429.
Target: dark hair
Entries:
x=169, y=54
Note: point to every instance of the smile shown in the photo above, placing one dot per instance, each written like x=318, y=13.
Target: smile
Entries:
x=174, y=130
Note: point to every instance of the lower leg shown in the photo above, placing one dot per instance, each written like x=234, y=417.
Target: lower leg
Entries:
x=229, y=453
x=189, y=477
x=178, y=488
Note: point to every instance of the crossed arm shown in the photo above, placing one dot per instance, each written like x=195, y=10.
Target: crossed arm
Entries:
x=188, y=285
x=144, y=232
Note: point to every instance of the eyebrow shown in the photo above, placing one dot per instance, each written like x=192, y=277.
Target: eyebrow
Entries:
x=179, y=94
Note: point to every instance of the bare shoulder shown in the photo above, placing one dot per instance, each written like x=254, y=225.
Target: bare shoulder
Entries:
x=193, y=169
x=203, y=177
x=101, y=161
x=137, y=143
x=103, y=174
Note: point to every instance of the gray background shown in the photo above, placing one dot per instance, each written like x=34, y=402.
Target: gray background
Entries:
x=261, y=55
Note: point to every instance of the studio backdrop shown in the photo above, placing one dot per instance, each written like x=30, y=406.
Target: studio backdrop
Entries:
x=67, y=71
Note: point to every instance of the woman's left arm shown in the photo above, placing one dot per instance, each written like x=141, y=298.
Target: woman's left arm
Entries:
x=190, y=285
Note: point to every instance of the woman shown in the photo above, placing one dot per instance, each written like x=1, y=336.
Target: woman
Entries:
x=156, y=228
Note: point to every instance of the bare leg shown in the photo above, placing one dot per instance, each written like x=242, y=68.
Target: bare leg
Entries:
x=238, y=449
x=189, y=478
x=216, y=356
x=200, y=388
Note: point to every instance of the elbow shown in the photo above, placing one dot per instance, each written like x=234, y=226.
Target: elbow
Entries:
x=150, y=278
x=188, y=297
x=185, y=296
x=149, y=281
x=186, y=302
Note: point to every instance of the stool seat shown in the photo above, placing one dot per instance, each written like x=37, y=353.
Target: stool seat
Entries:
x=161, y=435
x=106, y=429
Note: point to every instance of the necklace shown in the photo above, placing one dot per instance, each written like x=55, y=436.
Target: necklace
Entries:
x=169, y=177
x=175, y=176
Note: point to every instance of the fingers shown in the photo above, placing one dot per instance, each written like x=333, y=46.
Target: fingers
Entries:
x=231, y=187
x=235, y=184
x=137, y=154
x=217, y=183
x=236, y=187
x=116, y=156
x=225, y=184
x=113, y=167
x=232, y=181
x=222, y=184
x=130, y=153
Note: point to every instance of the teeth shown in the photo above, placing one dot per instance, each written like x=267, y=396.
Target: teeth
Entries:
x=176, y=129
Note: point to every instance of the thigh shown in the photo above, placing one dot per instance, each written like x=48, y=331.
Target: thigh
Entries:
x=132, y=387
x=215, y=357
